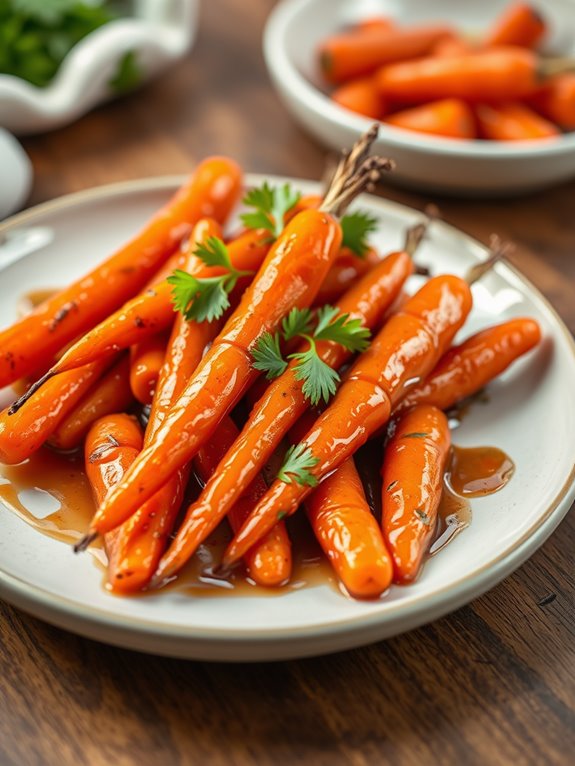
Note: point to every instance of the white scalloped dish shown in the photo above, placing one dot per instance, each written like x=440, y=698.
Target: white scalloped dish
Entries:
x=158, y=33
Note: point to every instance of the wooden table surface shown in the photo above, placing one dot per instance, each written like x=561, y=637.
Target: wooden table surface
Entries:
x=493, y=683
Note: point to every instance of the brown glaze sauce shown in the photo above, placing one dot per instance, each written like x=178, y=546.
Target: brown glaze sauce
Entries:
x=472, y=472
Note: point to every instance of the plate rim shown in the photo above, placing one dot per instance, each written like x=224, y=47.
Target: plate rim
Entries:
x=36, y=599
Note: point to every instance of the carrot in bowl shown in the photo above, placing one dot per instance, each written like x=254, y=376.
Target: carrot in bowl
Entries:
x=519, y=24
x=450, y=117
x=361, y=96
x=512, y=121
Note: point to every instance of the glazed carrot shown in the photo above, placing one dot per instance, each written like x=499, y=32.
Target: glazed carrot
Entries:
x=345, y=528
x=451, y=46
x=276, y=412
x=450, y=117
x=519, y=24
x=269, y=562
x=350, y=55
x=153, y=311
x=146, y=360
x=212, y=190
x=24, y=432
x=512, y=121
x=361, y=96
x=556, y=100
x=468, y=367
x=498, y=74
x=406, y=348
x=413, y=466
x=112, y=444
x=142, y=538
x=289, y=277
x=108, y=395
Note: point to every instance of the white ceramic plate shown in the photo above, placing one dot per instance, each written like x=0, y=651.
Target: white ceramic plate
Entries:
x=476, y=168
x=531, y=415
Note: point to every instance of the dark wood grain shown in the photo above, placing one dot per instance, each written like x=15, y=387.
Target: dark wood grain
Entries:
x=491, y=684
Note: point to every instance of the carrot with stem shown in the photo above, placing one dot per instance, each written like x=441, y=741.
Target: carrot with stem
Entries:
x=413, y=465
x=289, y=278
x=406, y=348
x=285, y=400
x=212, y=190
x=110, y=394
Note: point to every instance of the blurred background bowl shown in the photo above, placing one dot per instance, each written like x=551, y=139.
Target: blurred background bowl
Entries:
x=427, y=163
x=155, y=33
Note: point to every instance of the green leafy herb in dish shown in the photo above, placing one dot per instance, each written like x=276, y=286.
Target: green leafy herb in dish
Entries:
x=36, y=36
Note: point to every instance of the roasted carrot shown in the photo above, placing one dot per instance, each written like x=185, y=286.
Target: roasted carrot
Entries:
x=276, y=412
x=142, y=539
x=112, y=444
x=556, y=100
x=406, y=348
x=269, y=562
x=110, y=394
x=468, y=367
x=413, y=466
x=450, y=117
x=512, y=121
x=519, y=24
x=373, y=22
x=498, y=74
x=146, y=360
x=153, y=311
x=212, y=190
x=451, y=46
x=350, y=55
x=361, y=96
x=24, y=432
x=346, y=269
x=289, y=277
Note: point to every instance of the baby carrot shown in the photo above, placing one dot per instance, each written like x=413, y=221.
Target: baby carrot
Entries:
x=512, y=121
x=289, y=277
x=468, y=367
x=346, y=268
x=406, y=348
x=276, y=412
x=373, y=22
x=519, y=24
x=146, y=360
x=450, y=117
x=112, y=444
x=498, y=74
x=361, y=96
x=269, y=562
x=108, y=395
x=556, y=100
x=349, y=534
x=212, y=190
x=451, y=46
x=413, y=466
x=152, y=311
x=353, y=54
x=24, y=432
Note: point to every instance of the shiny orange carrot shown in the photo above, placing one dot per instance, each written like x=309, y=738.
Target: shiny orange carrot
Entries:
x=512, y=121
x=146, y=360
x=212, y=190
x=519, y=24
x=450, y=117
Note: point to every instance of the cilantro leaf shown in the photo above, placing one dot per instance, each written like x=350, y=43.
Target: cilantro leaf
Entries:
x=355, y=229
x=213, y=252
x=268, y=357
x=349, y=333
x=271, y=203
x=320, y=380
x=297, y=322
x=200, y=299
x=296, y=465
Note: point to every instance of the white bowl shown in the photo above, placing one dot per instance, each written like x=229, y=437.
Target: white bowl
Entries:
x=15, y=175
x=291, y=37
x=158, y=32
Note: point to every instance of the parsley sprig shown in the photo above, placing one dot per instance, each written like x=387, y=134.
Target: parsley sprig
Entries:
x=296, y=466
x=205, y=298
x=356, y=227
x=319, y=379
x=270, y=204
